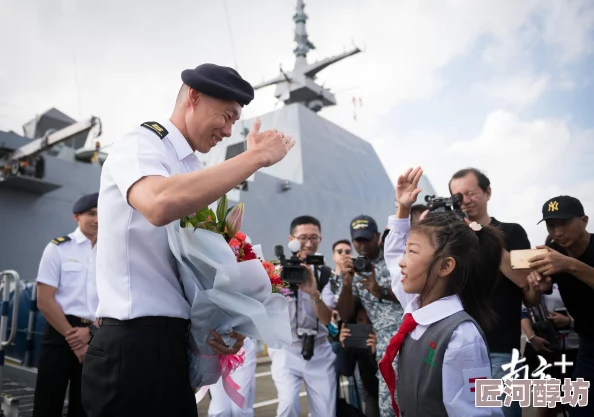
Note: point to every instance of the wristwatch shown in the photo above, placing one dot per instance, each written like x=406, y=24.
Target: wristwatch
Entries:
x=316, y=298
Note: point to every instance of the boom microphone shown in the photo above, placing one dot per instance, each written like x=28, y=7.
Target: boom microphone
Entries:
x=279, y=252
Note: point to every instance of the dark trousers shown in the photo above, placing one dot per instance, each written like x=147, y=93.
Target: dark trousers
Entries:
x=58, y=365
x=584, y=368
x=138, y=367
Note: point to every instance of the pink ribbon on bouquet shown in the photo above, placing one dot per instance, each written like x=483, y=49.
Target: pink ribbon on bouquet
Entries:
x=228, y=364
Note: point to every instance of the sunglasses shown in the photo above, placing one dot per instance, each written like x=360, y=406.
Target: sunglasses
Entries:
x=346, y=251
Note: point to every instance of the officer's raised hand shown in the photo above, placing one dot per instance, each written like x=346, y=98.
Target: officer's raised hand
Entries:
x=77, y=337
x=271, y=145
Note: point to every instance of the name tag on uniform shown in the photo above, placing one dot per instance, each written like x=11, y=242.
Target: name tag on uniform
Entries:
x=470, y=376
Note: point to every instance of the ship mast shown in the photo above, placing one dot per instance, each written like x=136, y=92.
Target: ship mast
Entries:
x=298, y=85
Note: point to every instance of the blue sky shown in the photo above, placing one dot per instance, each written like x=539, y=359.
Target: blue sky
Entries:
x=507, y=85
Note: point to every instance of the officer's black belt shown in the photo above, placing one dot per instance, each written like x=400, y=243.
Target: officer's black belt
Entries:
x=173, y=323
x=75, y=321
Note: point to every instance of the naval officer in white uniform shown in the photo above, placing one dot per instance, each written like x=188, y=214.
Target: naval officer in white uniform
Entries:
x=310, y=358
x=136, y=364
x=244, y=376
x=67, y=298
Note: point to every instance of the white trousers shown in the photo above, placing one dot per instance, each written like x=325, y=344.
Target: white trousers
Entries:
x=244, y=376
x=289, y=369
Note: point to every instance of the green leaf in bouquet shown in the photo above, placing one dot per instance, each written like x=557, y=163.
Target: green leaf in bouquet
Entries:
x=221, y=214
x=208, y=225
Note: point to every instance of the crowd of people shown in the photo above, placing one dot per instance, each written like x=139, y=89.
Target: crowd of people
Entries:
x=431, y=304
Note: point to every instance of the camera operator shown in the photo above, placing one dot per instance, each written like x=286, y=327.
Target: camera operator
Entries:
x=310, y=357
x=371, y=284
x=570, y=264
x=511, y=287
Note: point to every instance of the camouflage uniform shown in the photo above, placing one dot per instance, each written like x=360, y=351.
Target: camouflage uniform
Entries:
x=386, y=317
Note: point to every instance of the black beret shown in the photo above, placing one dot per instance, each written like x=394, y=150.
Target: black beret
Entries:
x=85, y=203
x=219, y=82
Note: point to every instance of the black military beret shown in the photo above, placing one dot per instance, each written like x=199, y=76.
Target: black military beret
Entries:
x=85, y=203
x=219, y=82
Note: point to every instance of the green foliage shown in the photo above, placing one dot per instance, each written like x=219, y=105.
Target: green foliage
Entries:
x=225, y=221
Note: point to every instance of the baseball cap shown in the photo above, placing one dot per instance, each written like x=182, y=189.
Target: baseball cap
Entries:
x=363, y=227
x=562, y=207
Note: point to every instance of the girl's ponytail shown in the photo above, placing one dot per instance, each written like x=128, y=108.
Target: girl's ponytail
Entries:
x=485, y=263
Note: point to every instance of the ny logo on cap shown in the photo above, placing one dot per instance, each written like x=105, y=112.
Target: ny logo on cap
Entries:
x=553, y=206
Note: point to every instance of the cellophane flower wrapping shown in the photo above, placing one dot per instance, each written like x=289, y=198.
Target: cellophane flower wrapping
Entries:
x=225, y=295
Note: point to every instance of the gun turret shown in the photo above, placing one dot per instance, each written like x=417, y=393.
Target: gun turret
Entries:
x=27, y=159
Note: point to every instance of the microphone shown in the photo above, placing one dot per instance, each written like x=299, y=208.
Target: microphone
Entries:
x=294, y=246
x=279, y=252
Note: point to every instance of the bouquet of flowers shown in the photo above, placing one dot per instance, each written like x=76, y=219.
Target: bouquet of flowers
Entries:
x=229, y=286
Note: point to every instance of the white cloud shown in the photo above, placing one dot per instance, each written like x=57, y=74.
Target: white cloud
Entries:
x=568, y=26
x=129, y=56
x=518, y=90
x=527, y=162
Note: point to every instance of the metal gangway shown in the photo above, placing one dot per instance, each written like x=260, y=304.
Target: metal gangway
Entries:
x=9, y=406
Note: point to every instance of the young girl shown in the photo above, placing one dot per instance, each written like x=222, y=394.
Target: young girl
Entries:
x=443, y=270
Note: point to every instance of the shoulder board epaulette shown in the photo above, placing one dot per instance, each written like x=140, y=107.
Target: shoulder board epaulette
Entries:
x=60, y=240
x=157, y=128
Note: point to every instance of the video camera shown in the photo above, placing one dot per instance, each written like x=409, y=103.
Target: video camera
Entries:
x=292, y=271
x=445, y=204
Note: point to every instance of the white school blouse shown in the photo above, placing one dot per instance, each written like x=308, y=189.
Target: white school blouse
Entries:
x=466, y=356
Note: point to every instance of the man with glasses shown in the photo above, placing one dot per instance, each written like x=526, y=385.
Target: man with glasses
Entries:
x=374, y=291
x=311, y=312
x=511, y=287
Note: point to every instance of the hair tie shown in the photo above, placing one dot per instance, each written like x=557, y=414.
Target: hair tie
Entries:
x=475, y=226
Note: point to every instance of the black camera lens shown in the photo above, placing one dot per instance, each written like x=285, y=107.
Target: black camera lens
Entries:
x=362, y=264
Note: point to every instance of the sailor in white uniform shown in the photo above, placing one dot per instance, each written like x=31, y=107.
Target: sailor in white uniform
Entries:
x=67, y=297
x=137, y=365
x=244, y=376
x=310, y=358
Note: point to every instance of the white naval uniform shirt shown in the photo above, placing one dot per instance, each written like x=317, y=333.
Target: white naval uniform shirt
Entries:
x=70, y=267
x=136, y=271
x=466, y=356
x=306, y=317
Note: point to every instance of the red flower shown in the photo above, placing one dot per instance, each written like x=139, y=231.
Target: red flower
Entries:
x=234, y=243
x=433, y=345
x=240, y=236
x=268, y=267
x=275, y=280
x=248, y=254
